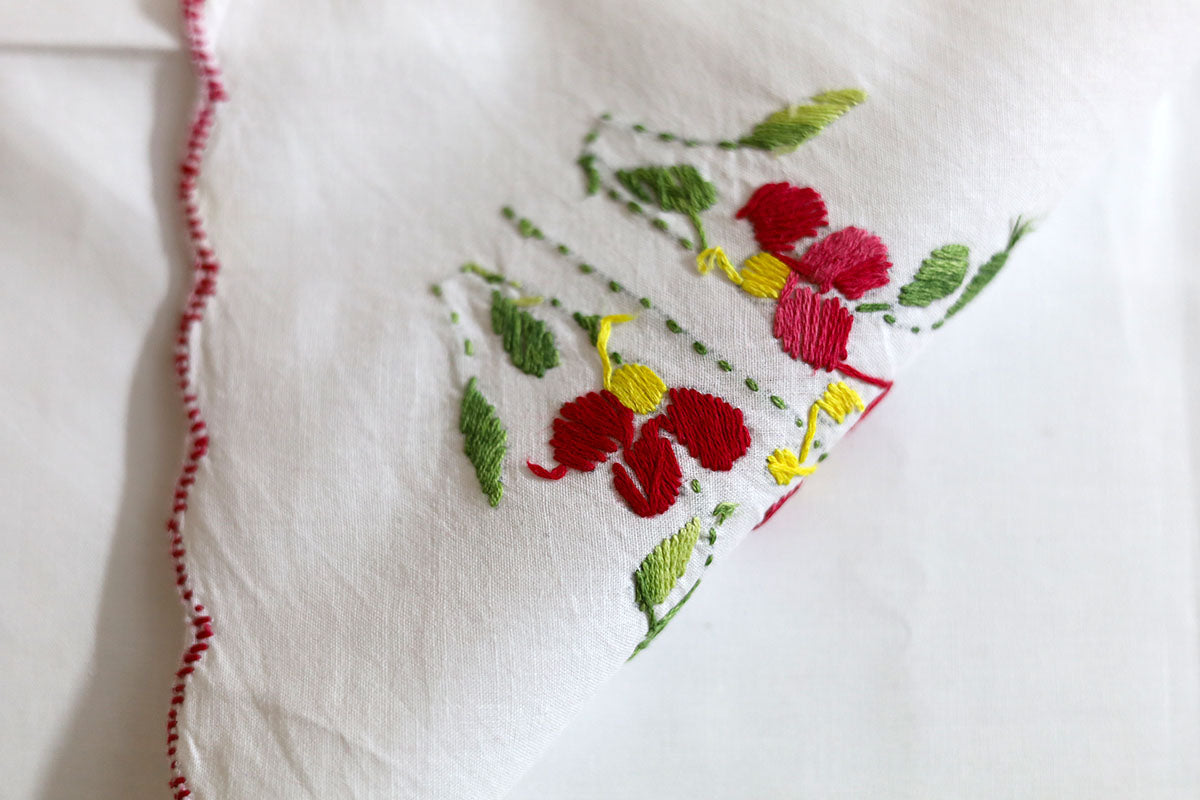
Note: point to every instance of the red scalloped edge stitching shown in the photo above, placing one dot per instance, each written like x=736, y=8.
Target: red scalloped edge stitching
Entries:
x=205, y=266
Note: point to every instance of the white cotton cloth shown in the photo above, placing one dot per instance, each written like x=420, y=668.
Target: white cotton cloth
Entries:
x=380, y=630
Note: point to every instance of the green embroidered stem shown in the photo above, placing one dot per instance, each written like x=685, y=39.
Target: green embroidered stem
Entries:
x=485, y=441
x=990, y=269
x=662, y=569
x=867, y=307
x=657, y=626
x=526, y=339
x=587, y=162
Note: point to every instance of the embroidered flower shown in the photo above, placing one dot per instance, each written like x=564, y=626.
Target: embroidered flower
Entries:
x=783, y=214
x=852, y=260
x=812, y=328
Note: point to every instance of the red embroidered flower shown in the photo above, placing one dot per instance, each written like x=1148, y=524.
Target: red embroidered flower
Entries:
x=783, y=214
x=712, y=430
x=853, y=260
x=812, y=328
x=586, y=430
x=656, y=469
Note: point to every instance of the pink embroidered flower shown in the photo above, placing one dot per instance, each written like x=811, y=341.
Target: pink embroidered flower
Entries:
x=852, y=260
x=783, y=214
x=812, y=328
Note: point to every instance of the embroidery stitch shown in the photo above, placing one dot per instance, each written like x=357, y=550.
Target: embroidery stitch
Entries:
x=485, y=440
x=679, y=188
x=938, y=277
x=528, y=342
x=788, y=128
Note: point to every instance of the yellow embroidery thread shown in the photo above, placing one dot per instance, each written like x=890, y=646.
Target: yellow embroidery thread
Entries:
x=715, y=256
x=762, y=276
x=637, y=386
x=784, y=465
x=838, y=401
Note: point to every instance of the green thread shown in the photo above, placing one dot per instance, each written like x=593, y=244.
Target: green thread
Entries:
x=696, y=485
x=613, y=286
x=799, y=422
x=661, y=570
x=591, y=137
x=554, y=301
x=666, y=137
x=454, y=317
x=685, y=243
x=613, y=194
x=938, y=277
x=658, y=626
x=661, y=224
x=778, y=401
x=889, y=319
x=990, y=269
x=727, y=145
x=915, y=329
x=700, y=348
x=712, y=539
x=528, y=301
x=679, y=188
x=468, y=347
x=616, y=357
x=673, y=326
x=485, y=441
x=639, y=128
x=788, y=128
x=563, y=250
x=487, y=275
x=526, y=339
x=725, y=365
x=437, y=290
x=723, y=512
x=938, y=324
x=645, y=301
x=822, y=457
x=590, y=323
x=586, y=269
x=633, y=207
x=508, y=212
x=529, y=230
x=864, y=307
x=817, y=445
x=752, y=384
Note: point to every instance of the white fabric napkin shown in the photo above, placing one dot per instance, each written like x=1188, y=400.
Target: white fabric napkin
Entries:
x=375, y=613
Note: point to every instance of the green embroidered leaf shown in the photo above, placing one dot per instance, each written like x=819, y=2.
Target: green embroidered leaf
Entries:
x=665, y=565
x=991, y=269
x=790, y=127
x=679, y=188
x=590, y=323
x=587, y=162
x=527, y=340
x=486, y=441
x=938, y=277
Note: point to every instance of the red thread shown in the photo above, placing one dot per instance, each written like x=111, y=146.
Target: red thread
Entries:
x=652, y=459
x=853, y=260
x=812, y=328
x=711, y=429
x=783, y=214
x=587, y=429
x=204, y=268
x=882, y=383
x=778, y=504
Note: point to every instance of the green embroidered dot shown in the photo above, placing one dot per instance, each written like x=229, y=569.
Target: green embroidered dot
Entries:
x=725, y=365
x=889, y=319
x=616, y=357
x=700, y=348
x=873, y=307
x=554, y=301
x=752, y=384
x=708, y=560
x=640, y=128
x=591, y=137
x=645, y=301
x=613, y=194
x=916, y=329
x=586, y=269
x=799, y=422
x=673, y=326
x=685, y=243
x=822, y=457
x=607, y=117
x=778, y=401
x=488, y=275
x=690, y=143
x=468, y=347
x=696, y=485
x=666, y=137
x=722, y=512
x=712, y=536
x=661, y=224
x=613, y=286
x=437, y=290
x=633, y=207
x=727, y=145
x=938, y=324
x=508, y=212
x=454, y=316
x=817, y=445
x=564, y=250
x=526, y=227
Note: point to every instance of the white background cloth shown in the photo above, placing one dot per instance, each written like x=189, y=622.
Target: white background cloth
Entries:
x=1016, y=615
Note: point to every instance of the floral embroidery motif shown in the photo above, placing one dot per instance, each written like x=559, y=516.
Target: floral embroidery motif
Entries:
x=595, y=425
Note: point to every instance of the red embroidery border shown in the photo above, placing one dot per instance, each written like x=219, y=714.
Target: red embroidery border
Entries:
x=205, y=266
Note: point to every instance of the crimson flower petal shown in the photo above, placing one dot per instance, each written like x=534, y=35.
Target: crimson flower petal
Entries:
x=853, y=260
x=587, y=429
x=812, y=328
x=656, y=470
x=711, y=429
x=783, y=214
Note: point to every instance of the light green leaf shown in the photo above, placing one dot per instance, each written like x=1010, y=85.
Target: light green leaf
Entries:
x=790, y=127
x=938, y=277
x=665, y=565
